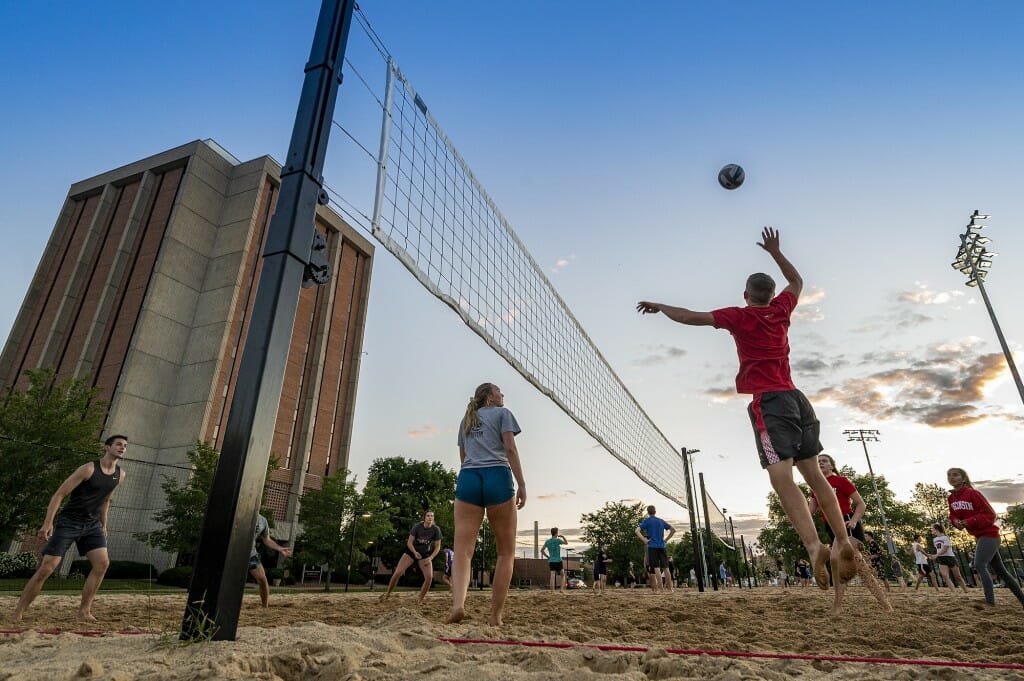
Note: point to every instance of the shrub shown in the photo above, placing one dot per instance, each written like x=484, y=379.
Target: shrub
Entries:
x=17, y=564
x=119, y=569
x=177, y=576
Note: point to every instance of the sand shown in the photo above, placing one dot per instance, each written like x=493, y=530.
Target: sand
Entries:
x=353, y=636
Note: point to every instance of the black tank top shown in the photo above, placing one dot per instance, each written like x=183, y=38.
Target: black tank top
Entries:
x=87, y=499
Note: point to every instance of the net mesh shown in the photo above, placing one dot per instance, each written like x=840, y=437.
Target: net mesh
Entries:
x=435, y=217
x=718, y=522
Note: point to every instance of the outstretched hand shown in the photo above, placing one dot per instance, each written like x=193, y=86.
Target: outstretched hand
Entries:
x=644, y=307
x=769, y=240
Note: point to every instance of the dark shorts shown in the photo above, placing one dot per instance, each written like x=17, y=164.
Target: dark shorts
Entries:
x=255, y=563
x=87, y=535
x=785, y=427
x=424, y=551
x=555, y=567
x=856, y=533
x=948, y=561
x=656, y=558
x=598, y=571
x=485, y=487
x=924, y=569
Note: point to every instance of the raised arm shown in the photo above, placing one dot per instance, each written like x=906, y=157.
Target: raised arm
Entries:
x=770, y=242
x=676, y=314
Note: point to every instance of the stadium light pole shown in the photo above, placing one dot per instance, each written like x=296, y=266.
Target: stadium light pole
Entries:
x=356, y=515
x=698, y=546
x=865, y=436
x=974, y=260
x=293, y=257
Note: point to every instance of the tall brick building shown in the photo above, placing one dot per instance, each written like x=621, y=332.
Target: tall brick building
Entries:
x=147, y=286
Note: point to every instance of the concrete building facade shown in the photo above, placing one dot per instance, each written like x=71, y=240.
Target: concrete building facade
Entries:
x=147, y=286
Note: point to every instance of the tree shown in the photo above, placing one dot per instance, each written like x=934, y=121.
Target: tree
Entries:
x=929, y=501
x=330, y=515
x=47, y=431
x=405, y=488
x=1015, y=517
x=614, y=525
x=186, y=503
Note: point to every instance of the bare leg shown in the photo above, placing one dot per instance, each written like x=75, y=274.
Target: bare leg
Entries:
x=503, y=521
x=261, y=582
x=428, y=578
x=403, y=564
x=99, y=561
x=468, y=519
x=959, y=578
x=35, y=584
x=843, y=555
x=795, y=505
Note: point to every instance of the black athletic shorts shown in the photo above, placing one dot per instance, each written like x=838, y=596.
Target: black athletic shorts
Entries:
x=555, y=567
x=656, y=558
x=924, y=569
x=785, y=426
x=856, y=533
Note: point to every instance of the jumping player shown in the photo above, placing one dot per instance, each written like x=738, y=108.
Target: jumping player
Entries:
x=969, y=510
x=785, y=427
x=82, y=521
x=422, y=545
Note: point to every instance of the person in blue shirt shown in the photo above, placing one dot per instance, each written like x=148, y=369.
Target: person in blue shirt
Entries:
x=655, y=541
x=552, y=550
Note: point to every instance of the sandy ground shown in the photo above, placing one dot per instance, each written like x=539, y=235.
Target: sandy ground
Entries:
x=353, y=636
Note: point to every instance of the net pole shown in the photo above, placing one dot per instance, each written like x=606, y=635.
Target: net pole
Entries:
x=746, y=565
x=218, y=581
x=707, y=527
x=735, y=559
x=694, y=527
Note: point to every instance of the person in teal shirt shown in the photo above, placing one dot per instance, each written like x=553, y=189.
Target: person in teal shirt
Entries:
x=552, y=550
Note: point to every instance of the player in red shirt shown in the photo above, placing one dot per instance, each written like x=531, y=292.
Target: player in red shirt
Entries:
x=851, y=503
x=785, y=426
x=969, y=510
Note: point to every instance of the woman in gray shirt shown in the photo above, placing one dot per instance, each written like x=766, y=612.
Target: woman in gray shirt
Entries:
x=490, y=461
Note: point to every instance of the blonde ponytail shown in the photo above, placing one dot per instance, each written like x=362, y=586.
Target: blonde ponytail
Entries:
x=479, y=399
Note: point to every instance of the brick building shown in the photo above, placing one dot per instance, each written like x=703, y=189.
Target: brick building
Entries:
x=147, y=286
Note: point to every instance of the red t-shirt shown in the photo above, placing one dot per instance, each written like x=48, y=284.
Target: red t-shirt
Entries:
x=844, y=489
x=970, y=506
x=762, y=343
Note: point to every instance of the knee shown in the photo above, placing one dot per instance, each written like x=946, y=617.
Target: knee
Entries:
x=46, y=569
x=100, y=565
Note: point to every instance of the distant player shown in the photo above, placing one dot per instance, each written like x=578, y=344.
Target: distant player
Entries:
x=786, y=429
x=655, y=542
x=262, y=535
x=552, y=550
x=601, y=561
x=421, y=546
x=83, y=522
x=924, y=569
x=449, y=556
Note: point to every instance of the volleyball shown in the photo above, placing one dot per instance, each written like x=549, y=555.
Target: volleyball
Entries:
x=731, y=176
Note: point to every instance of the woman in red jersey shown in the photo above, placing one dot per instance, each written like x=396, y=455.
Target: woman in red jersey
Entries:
x=969, y=510
x=851, y=504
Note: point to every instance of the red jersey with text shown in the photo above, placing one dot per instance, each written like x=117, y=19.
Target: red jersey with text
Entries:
x=844, y=489
x=968, y=504
x=762, y=343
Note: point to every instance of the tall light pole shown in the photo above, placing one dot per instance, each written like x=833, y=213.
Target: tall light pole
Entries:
x=974, y=260
x=865, y=436
x=698, y=545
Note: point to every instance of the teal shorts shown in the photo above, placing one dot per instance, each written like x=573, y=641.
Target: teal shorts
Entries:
x=485, y=487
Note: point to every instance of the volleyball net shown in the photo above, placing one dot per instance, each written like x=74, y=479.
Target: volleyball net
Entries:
x=433, y=214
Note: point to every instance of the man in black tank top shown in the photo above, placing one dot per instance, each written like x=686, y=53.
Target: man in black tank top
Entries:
x=82, y=521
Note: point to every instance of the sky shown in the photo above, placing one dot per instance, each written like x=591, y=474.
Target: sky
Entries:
x=869, y=132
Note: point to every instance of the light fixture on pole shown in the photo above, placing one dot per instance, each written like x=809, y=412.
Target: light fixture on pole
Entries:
x=865, y=436
x=975, y=260
x=352, y=545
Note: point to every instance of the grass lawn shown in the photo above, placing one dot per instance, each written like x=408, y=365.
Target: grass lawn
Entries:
x=58, y=585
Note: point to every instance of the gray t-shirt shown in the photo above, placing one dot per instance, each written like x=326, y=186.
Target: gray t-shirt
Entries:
x=483, y=444
x=262, y=530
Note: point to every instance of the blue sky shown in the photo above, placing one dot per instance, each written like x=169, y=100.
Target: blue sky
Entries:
x=869, y=132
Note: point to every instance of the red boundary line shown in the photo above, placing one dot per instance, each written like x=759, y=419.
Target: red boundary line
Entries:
x=733, y=653
x=55, y=632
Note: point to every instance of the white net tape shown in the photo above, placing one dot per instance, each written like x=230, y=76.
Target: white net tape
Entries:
x=433, y=214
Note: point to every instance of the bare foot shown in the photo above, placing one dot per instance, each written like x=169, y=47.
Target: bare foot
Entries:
x=494, y=620
x=455, y=616
x=383, y=597
x=86, y=616
x=422, y=598
x=844, y=562
x=16, y=617
x=819, y=562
